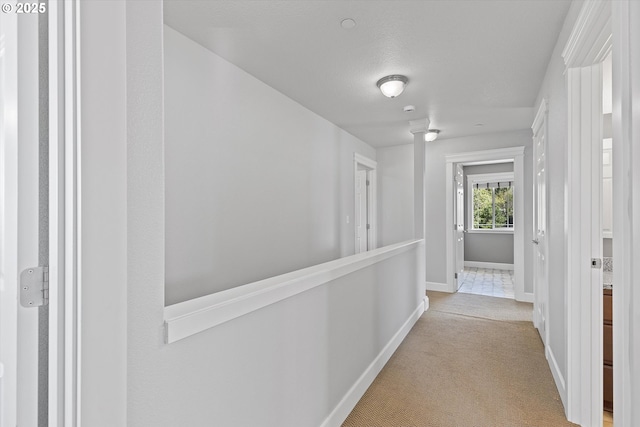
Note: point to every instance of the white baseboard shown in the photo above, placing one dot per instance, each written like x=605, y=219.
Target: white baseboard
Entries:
x=525, y=297
x=492, y=265
x=355, y=393
x=557, y=375
x=439, y=287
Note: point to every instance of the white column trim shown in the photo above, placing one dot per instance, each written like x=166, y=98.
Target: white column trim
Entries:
x=419, y=126
x=539, y=120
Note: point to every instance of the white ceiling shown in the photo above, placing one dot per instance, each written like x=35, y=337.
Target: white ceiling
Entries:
x=468, y=62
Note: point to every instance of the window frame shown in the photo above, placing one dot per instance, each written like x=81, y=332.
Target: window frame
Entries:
x=483, y=179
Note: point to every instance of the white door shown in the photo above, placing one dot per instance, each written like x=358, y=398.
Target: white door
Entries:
x=459, y=225
x=20, y=232
x=540, y=278
x=361, y=217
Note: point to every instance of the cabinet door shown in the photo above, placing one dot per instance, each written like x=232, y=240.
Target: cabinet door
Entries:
x=607, y=343
x=608, y=388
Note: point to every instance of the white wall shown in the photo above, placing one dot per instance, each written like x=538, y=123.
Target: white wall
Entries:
x=256, y=184
x=395, y=188
x=435, y=232
x=554, y=90
x=103, y=220
x=288, y=364
x=486, y=247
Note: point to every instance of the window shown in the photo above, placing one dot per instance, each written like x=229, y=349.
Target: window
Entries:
x=491, y=201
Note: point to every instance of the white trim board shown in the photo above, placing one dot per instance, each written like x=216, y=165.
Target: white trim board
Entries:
x=481, y=179
x=372, y=195
x=626, y=199
x=355, y=393
x=502, y=155
x=193, y=316
x=489, y=265
x=589, y=43
x=557, y=375
x=540, y=116
x=527, y=297
x=438, y=287
x=590, y=39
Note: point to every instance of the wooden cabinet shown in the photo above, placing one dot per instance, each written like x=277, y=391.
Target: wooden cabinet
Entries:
x=607, y=341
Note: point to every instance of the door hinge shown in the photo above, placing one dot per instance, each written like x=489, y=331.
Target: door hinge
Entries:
x=34, y=287
x=368, y=226
x=596, y=263
x=455, y=275
x=367, y=182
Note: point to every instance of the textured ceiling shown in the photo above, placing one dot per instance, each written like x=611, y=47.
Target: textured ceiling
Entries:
x=468, y=62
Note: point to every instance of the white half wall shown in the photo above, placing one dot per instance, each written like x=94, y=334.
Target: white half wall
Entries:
x=256, y=184
x=395, y=187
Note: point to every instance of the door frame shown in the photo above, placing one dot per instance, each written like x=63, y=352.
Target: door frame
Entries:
x=371, y=166
x=510, y=154
x=626, y=201
x=65, y=240
x=589, y=43
x=8, y=224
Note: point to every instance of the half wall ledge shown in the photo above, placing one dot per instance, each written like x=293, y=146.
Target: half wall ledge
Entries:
x=190, y=317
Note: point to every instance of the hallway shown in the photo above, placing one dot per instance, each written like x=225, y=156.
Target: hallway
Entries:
x=199, y=211
x=470, y=360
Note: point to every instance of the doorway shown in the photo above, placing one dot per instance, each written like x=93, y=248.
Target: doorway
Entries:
x=364, y=214
x=515, y=156
x=39, y=141
x=488, y=229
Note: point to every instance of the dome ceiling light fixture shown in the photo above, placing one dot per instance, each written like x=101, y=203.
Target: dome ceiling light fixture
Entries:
x=393, y=85
x=431, y=135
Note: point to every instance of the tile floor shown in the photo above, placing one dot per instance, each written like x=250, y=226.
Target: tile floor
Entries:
x=488, y=282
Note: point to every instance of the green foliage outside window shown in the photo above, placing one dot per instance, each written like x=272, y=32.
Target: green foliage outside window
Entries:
x=493, y=208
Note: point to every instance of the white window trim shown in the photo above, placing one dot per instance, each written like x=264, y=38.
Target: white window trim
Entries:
x=474, y=179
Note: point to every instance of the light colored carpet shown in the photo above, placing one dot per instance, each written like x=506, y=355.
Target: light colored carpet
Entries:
x=481, y=306
x=470, y=361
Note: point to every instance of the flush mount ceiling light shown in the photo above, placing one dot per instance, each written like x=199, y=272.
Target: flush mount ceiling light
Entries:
x=392, y=86
x=431, y=135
